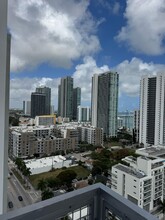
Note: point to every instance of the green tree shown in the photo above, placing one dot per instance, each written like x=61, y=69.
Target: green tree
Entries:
x=53, y=182
x=47, y=194
x=42, y=184
x=96, y=170
x=67, y=176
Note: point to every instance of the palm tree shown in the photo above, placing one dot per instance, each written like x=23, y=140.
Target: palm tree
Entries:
x=42, y=185
x=47, y=194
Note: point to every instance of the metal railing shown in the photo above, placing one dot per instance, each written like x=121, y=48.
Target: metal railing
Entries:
x=96, y=202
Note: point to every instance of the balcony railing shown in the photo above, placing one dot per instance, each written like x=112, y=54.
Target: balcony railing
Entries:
x=96, y=202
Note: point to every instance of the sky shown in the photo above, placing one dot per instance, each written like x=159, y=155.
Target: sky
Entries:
x=57, y=38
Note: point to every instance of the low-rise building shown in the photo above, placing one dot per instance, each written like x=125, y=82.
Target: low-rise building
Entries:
x=47, y=163
x=45, y=120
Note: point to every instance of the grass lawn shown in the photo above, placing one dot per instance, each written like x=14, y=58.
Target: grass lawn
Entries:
x=112, y=144
x=81, y=173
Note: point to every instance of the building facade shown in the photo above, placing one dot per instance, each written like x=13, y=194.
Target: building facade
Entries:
x=136, y=125
x=65, y=97
x=152, y=99
x=45, y=120
x=83, y=114
x=47, y=91
x=126, y=119
x=105, y=102
x=41, y=140
x=38, y=106
x=76, y=101
x=91, y=135
x=141, y=182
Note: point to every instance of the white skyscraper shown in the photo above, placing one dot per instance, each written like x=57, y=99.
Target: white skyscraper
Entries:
x=83, y=114
x=94, y=100
x=4, y=106
x=152, y=109
x=105, y=102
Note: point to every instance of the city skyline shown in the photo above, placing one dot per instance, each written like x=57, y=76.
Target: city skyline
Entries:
x=94, y=37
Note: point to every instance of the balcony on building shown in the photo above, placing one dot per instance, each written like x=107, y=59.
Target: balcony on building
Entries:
x=96, y=202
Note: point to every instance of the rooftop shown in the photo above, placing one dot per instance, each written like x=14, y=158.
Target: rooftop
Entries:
x=153, y=151
x=130, y=171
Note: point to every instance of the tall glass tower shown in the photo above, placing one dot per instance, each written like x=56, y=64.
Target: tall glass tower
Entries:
x=47, y=91
x=65, y=97
x=76, y=101
x=105, y=102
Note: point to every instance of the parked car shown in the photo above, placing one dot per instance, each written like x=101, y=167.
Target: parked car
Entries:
x=20, y=198
x=10, y=204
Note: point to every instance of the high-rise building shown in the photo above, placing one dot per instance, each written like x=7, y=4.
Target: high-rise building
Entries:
x=136, y=125
x=38, y=106
x=65, y=97
x=127, y=120
x=76, y=101
x=83, y=114
x=24, y=103
x=4, y=106
x=47, y=91
x=105, y=102
x=27, y=107
x=152, y=100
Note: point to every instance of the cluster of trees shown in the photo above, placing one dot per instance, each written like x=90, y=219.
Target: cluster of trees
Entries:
x=22, y=167
x=84, y=146
x=53, y=183
x=104, y=160
x=13, y=121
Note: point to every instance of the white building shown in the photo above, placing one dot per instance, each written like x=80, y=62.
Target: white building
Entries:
x=152, y=96
x=83, y=114
x=4, y=106
x=45, y=120
x=47, y=163
x=142, y=182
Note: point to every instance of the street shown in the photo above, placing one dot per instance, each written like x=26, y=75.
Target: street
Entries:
x=15, y=189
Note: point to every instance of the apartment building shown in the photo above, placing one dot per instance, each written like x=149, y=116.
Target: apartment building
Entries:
x=152, y=107
x=91, y=135
x=28, y=141
x=45, y=120
x=136, y=125
x=83, y=114
x=141, y=182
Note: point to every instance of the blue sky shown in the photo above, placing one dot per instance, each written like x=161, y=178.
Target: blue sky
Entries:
x=55, y=38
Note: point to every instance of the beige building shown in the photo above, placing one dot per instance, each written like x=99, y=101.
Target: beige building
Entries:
x=45, y=120
x=28, y=141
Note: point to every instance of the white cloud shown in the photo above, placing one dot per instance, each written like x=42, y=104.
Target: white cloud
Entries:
x=83, y=76
x=21, y=89
x=145, y=28
x=130, y=73
x=55, y=32
x=116, y=8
